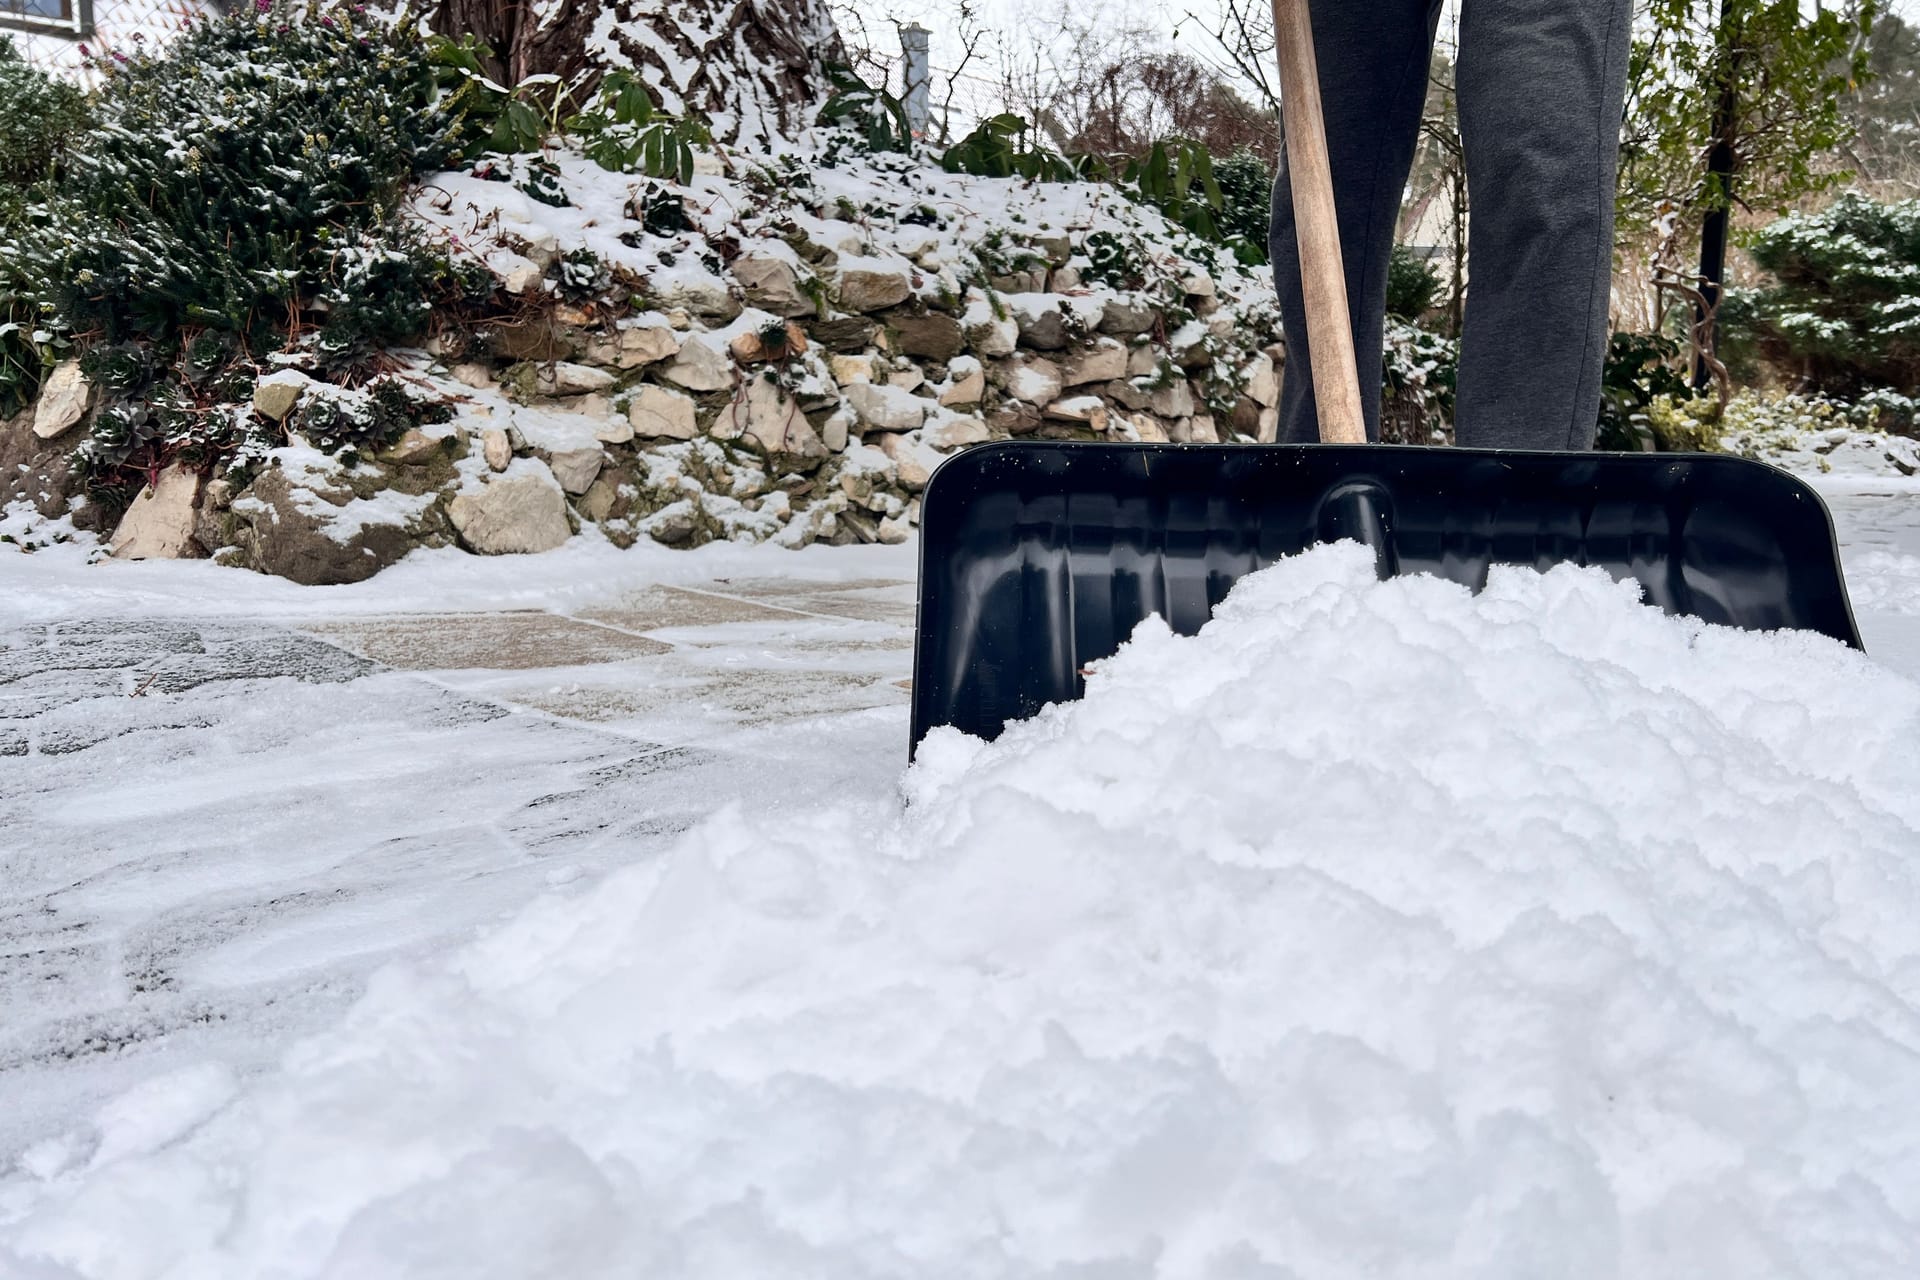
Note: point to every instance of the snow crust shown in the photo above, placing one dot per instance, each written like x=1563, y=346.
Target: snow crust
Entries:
x=1379, y=930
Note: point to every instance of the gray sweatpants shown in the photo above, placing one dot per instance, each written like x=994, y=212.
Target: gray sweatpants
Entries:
x=1540, y=85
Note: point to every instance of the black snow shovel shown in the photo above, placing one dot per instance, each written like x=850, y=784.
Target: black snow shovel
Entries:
x=1038, y=558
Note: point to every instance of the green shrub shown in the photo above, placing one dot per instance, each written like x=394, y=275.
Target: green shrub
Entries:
x=230, y=174
x=878, y=118
x=39, y=119
x=1843, y=313
x=1002, y=147
x=240, y=191
x=1246, y=203
x=1639, y=368
x=1419, y=372
x=1412, y=284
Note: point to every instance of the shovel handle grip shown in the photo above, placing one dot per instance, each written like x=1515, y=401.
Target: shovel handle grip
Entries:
x=1323, y=279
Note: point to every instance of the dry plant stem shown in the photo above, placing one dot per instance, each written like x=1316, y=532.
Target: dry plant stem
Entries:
x=1323, y=280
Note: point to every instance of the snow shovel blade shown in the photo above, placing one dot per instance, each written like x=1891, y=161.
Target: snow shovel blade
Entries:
x=1037, y=558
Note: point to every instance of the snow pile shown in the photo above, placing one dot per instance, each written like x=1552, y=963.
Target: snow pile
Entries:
x=1379, y=930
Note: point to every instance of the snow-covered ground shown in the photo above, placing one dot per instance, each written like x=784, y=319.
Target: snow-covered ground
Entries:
x=1524, y=934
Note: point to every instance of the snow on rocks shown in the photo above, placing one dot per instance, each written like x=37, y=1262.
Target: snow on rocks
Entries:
x=306, y=518
x=886, y=408
x=782, y=308
x=275, y=395
x=521, y=510
x=661, y=413
x=1532, y=932
x=703, y=364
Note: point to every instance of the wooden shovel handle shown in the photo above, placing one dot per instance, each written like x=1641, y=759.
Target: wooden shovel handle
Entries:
x=1323, y=278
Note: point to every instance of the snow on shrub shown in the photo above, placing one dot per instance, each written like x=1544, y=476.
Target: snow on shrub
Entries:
x=1621, y=979
x=241, y=187
x=1843, y=313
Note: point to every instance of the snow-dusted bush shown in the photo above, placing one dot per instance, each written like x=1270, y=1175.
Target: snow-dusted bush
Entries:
x=1419, y=371
x=239, y=193
x=1843, y=314
x=1797, y=431
x=236, y=176
x=39, y=117
x=1246, y=198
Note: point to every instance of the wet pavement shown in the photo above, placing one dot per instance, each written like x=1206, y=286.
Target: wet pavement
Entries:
x=211, y=830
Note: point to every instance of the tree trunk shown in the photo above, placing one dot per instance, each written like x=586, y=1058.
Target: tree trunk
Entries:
x=1720, y=167
x=753, y=68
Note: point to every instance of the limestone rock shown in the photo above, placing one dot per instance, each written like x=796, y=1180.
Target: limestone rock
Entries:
x=521, y=511
x=1143, y=360
x=576, y=469
x=283, y=527
x=893, y=530
x=1198, y=285
x=1014, y=418
x=705, y=296
x=994, y=336
x=1100, y=363
x=771, y=285
x=1026, y=280
x=968, y=383
x=772, y=422
x=754, y=346
x=472, y=374
x=954, y=430
x=1261, y=380
x=847, y=370
x=1091, y=410
x=907, y=378
x=496, y=446
x=523, y=278
x=658, y=413
x=1043, y=326
x=615, y=430
x=843, y=333
x=1175, y=400
x=912, y=459
x=1126, y=317
x=563, y=378
x=934, y=336
x=601, y=497
x=1269, y=426
x=414, y=448
x=647, y=344
x=41, y=473
x=702, y=365
x=872, y=284
x=886, y=408
x=63, y=401
x=275, y=395
x=1034, y=379
x=160, y=523
x=1057, y=246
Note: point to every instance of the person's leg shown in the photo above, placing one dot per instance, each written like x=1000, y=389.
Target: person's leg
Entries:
x=1540, y=89
x=1373, y=61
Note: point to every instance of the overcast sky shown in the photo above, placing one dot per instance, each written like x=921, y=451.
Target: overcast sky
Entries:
x=1025, y=23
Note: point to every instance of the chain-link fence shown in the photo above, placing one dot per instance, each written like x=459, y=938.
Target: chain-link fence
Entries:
x=60, y=36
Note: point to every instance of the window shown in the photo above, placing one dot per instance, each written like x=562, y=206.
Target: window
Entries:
x=58, y=10
x=62, y=17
